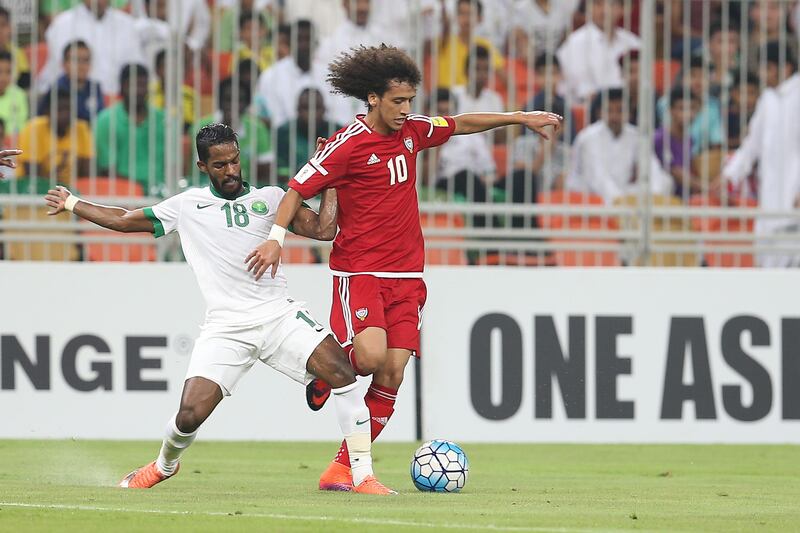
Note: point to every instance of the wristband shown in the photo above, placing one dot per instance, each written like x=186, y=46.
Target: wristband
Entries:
x=69, y=203
x=277, y=233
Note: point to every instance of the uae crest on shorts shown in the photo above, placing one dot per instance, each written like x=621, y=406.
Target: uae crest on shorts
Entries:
x=409, y=142
x=361, y=313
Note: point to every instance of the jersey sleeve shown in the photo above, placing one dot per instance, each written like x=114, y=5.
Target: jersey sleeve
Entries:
x=431, y=131
x=165, y=215
x=323, y=170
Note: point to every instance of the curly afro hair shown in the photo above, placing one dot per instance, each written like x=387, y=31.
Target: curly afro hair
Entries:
x=365, y=70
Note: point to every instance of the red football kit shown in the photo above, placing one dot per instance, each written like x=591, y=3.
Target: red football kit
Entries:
x=378, y=255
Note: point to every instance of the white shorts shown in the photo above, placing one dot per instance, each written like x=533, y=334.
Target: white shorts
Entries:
x=225, y=354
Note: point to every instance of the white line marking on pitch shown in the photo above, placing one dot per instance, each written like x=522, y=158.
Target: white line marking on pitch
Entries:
x=371, y=521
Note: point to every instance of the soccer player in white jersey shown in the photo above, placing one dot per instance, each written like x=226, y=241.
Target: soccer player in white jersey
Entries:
x=246, y=321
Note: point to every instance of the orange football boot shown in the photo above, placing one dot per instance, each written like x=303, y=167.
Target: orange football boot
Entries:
x=145, y=477
x=370, y=485
x=336, y=477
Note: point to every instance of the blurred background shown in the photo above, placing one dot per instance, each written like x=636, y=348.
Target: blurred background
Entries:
x=681, y=144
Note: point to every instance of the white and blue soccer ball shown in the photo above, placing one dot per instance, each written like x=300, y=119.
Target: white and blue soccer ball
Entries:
x=439, y=466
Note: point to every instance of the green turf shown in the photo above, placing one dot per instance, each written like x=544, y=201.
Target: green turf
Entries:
x=68, y=486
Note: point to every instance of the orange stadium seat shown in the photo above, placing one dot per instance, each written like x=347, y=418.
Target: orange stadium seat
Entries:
x=450, y=256
x=664, y=74
x=567, y=257
x=579, y=116
x=37, y=55
x=119, y=187
x=709, y=224
x=297, y=255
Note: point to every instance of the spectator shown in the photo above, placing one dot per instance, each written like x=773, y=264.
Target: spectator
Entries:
x=254, y=137
x=188, y=94
x=544, y=21
x=229, y=19
x=590, y=56
x=723, y=58
x=254, y=40
x=110, y=34
x=190, y=19
x=779, y=65
x=129, y=136
x=465, y=167
x=605, y=154
x=706, y=129
x=548, y=78
x=22, y=72
x=299, y=135
x=476, y=96
x=768, y=23
x=545, y=161
x=771, y=142
x=13, y=100
x=357, y=29
x=673, y=145
x=77, y=64
x=407, y=28
x=454, y=48
x=62, y=150
x=279, y=86
x=741, y=108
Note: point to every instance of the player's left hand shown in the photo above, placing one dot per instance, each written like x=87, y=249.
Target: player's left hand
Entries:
x=539, y=120
x=6, y=158
x=320, y=144
x=266, y=255
x=55, y=199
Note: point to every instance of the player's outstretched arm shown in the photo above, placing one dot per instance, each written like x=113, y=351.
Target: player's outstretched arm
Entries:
x=322, y=226
x=535, y=120
x=6, y=158
x=267, y=255
x=114, y=218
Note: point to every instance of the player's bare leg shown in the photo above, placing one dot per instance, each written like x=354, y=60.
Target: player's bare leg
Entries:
x=199, y=398
x=329, y=362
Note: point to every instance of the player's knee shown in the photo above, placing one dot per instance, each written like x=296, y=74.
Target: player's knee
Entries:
x=368, y=362
x=188, y=419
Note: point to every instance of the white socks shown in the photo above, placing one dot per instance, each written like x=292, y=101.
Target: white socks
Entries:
x=173, y=446
x=354, y=421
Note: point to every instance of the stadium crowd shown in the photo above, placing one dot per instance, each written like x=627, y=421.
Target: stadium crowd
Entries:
x=101, y=86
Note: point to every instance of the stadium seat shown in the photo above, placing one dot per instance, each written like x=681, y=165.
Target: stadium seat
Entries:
x=658, y=224
x=298, y=255
x=99, y=188
x=664, y=74
x=449, y=256
x=567, y=257
x=708, y=224
x=27, y=249
x=500, y=154
x=579, y=116
x=37, y=55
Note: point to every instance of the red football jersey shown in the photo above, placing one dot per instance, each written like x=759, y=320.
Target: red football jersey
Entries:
x=375, y=178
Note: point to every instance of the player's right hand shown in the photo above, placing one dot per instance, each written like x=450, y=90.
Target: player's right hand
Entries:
x=55, y=199
x=6, y=158
x=266, y=255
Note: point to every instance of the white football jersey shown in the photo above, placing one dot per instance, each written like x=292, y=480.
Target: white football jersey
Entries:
x=216, y=236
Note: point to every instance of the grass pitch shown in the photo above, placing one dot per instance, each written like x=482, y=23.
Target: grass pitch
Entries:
x=69, y=486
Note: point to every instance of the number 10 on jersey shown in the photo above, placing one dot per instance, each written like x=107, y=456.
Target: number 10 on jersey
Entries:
x=398, y=169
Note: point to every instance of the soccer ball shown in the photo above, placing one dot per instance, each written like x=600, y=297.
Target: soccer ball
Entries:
x=439, y=466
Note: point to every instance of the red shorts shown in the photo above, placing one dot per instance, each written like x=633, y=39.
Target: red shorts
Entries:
x=392, y=304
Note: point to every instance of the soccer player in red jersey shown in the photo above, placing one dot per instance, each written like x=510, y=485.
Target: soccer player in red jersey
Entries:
x=378, y=255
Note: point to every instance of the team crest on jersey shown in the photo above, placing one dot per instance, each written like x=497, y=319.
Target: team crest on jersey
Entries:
x=361, y=313
x=409, y=142
x=259, y=207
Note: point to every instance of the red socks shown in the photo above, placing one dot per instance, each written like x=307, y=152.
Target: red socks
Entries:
x=380, y=402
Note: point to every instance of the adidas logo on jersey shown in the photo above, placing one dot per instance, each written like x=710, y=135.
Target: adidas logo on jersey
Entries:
x=373, y=159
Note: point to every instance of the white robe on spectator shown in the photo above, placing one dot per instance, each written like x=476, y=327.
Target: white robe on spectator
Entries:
x=279, y=87
x=349, y=35
x=544, y=28
x=112, y=39
x=773, y=141
x=191, y=17
x=466, y=152
x=590, y=62
x=605, y=165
